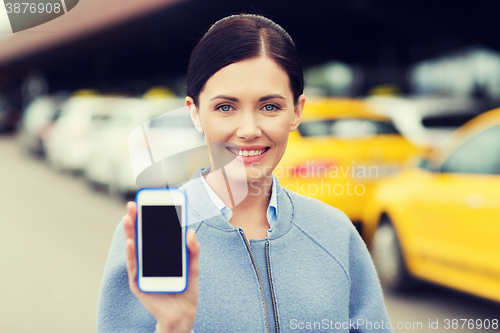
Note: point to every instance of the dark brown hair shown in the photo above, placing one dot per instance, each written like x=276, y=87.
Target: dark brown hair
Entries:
x=240, y=37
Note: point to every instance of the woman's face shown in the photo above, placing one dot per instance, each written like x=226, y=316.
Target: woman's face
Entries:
x=247, y=108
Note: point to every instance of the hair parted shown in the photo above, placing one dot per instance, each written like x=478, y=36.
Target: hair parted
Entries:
x=240, y=37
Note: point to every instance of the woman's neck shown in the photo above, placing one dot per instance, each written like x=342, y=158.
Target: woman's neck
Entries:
x=247, y=200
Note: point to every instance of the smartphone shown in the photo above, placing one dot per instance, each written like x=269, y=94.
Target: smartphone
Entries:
x=161, y=240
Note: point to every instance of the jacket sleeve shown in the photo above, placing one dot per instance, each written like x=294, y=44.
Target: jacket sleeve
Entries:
x=118, y=310
x=366, y=304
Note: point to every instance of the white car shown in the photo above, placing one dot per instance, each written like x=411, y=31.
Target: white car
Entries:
x=112, y=153
x=426, y=121
x=67, y=144
x=166, y=150
x=107, y=145
x=36, y=121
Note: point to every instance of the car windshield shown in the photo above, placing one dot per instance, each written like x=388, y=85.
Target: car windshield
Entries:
x=100, y=117
x=448, y=120
x=479, y=155
x=346, y=128
x=164, y=122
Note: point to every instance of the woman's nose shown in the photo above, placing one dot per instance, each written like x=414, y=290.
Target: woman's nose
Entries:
x=248, y=128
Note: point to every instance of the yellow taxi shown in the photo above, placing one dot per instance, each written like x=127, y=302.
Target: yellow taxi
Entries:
x=440, y=221
x=339, y=151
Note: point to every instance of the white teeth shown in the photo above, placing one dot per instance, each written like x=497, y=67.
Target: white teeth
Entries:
x=247, y=152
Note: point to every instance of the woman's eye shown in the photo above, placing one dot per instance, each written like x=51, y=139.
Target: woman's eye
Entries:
x=224, y=108
x=271, y=107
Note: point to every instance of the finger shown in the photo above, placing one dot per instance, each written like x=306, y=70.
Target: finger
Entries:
x=129, y=227
x=129, y=220
x=132, y=209
x=132, y=266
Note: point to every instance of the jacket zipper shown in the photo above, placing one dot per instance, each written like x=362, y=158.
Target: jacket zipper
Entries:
x=258, y=276
x=276, y=323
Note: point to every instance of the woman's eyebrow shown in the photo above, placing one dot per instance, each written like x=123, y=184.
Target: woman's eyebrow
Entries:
x=265, y=98
x=234, y=99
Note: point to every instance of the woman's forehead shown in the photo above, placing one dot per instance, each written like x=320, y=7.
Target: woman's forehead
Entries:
x=252, y=78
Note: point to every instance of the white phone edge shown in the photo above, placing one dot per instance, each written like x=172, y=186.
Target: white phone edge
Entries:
x=153, y=197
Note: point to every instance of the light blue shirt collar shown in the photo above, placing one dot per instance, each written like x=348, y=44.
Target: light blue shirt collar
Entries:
x=272, y=209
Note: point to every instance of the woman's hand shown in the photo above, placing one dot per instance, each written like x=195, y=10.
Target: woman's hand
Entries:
x=173, y=312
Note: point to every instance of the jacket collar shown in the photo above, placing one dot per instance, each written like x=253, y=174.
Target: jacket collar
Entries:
x=200, y=207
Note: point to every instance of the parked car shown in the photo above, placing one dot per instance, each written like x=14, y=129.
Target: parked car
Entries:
x=67, y=144
x=110, y=142
x=340, y=150
x=427, y=120
x=36, y=120
x=113, y=153
x=9, y=115
x=440, y=221
x=167, y=149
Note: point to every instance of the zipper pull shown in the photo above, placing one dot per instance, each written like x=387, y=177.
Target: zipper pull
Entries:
x=245, y=239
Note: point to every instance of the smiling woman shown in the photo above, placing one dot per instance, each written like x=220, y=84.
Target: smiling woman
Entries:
x=252, y=117
x=270, y=257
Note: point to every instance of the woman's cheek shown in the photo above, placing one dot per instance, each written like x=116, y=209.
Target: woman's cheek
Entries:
x=279, y=129
x=215, y=129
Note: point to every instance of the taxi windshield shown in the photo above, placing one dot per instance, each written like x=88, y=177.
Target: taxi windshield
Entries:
x=346, y=128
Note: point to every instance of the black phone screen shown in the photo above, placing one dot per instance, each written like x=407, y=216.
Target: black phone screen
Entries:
x=161, y=241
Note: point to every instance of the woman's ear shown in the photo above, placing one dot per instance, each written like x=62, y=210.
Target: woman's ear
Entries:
x=297, y=112
x=195, y=115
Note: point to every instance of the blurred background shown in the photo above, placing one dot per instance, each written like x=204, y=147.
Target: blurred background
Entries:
x=397, y=114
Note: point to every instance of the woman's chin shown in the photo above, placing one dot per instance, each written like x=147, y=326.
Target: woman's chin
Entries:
x=238, y=176
x=245, y=173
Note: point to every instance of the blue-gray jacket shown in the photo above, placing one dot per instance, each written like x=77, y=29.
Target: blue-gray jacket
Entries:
x=313, y=273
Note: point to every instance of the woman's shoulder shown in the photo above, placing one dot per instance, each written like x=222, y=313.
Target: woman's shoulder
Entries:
x=315, y=208
x=318, y=218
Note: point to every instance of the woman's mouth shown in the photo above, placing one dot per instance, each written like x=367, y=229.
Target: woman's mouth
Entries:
x=248, y=156
x=248, y=152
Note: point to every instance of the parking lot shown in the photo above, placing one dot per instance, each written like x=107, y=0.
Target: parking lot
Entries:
x=56, y=232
